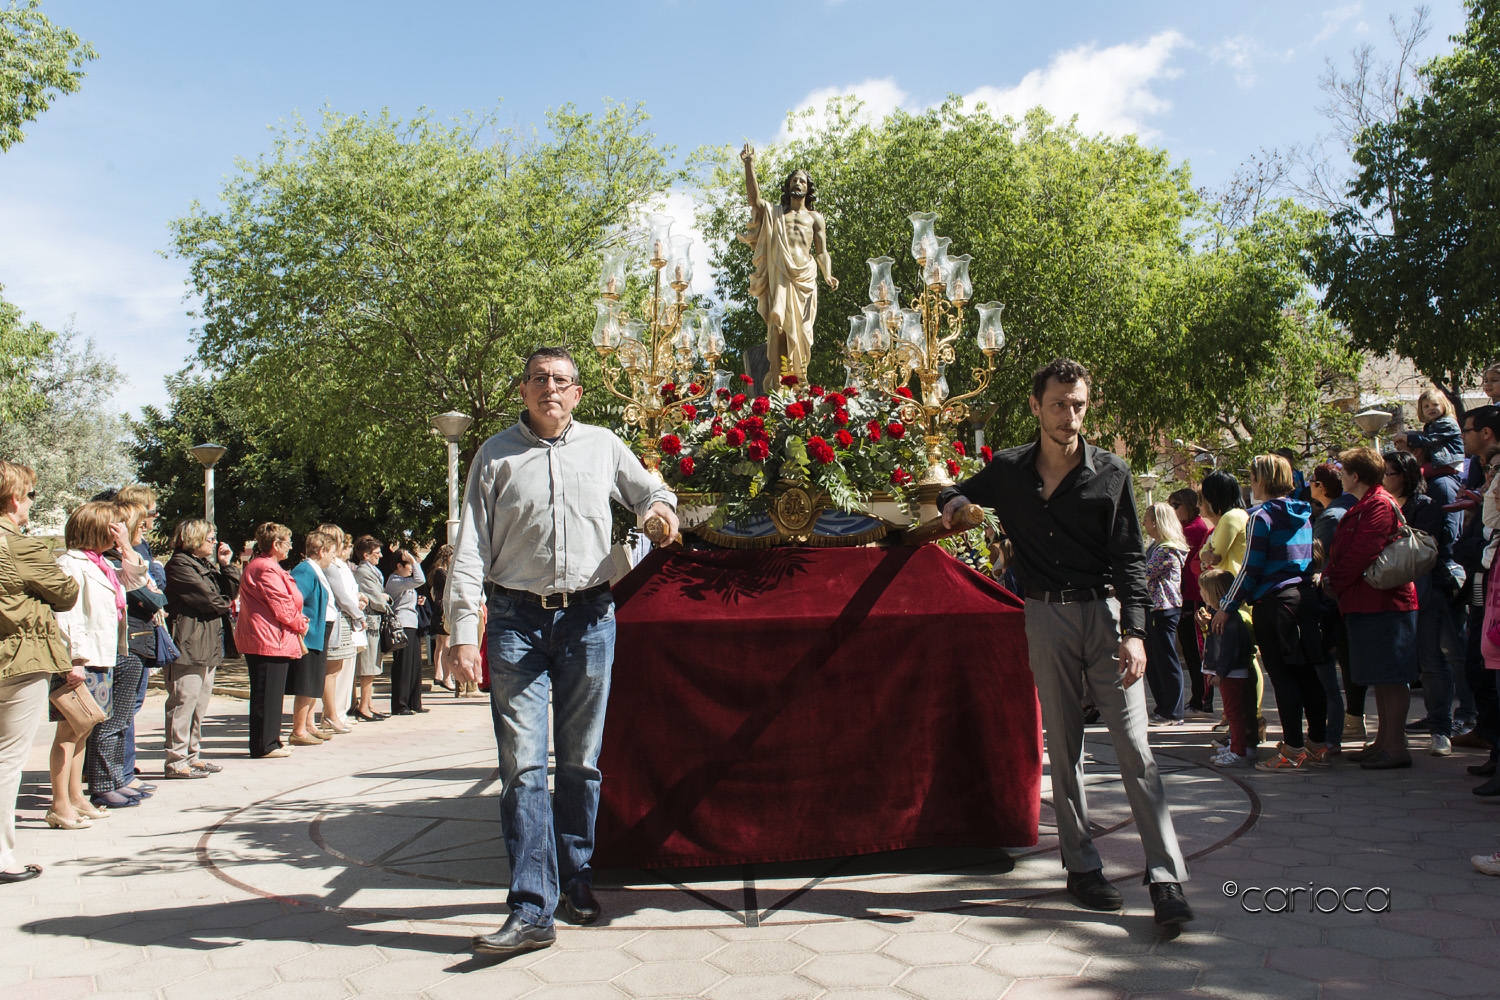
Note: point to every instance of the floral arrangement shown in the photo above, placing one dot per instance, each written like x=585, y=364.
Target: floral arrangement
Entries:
x=851, y=443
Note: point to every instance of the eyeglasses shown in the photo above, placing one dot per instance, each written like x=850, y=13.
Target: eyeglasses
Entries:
x=561, y=381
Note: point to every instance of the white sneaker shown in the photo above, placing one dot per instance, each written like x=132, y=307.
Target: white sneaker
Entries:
x=1489, y=864
x=1441, y=747
x=1228, y=758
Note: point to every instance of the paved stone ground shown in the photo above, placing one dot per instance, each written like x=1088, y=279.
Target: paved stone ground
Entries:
x=363, y=868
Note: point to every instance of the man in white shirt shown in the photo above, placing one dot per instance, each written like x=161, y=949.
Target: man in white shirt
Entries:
x=535, y=531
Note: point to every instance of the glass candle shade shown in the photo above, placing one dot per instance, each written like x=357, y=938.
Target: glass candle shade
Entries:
x=606, y=324
x=680, y=272
x=612, y=276
x=659, y=239
x=711, y=336
x=935, y=269
x=855, y=344
x=923, y=239
x=991, y=336
x=960, y=288
x=877, y=337
x=685, y=340
x=882, y=288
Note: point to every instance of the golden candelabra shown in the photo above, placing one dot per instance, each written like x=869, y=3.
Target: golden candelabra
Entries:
x=650, y=360
x=887, y=344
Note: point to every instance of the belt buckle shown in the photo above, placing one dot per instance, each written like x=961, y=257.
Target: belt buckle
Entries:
x=547, y=600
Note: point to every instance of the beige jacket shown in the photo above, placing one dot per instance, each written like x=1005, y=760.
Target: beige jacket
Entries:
x=32, y=589
x=93, y=628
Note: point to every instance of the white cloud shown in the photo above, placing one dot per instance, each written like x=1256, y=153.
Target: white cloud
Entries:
x=880, y=98
x=1240, y=53
x=56, y=269
x=1335, y=18
x=1110, y=90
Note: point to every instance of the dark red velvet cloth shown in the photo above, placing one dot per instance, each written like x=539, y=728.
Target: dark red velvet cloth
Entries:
x=794, y=703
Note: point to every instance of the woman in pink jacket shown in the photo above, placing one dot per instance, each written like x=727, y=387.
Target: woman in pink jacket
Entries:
x=269, y=634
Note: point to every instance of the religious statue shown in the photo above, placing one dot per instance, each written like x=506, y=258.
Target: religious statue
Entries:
x=789, y=243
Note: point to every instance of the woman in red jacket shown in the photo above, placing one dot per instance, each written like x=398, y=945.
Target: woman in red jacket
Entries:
x=268, y=633
x=1381, y=624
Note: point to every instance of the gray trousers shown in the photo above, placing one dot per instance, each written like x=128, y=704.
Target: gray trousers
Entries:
x=189, y=689
x=1075, y=653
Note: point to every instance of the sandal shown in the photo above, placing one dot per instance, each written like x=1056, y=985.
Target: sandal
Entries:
x=24, y=875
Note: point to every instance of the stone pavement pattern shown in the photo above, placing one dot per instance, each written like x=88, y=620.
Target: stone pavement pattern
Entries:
x=363, y=868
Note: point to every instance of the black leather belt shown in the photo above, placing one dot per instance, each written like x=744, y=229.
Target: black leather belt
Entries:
x=1067, y=596
x=555, y=602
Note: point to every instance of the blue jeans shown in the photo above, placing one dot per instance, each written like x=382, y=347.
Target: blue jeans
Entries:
x=1163, y=669
x=1328, y=676
x=140, y=700
x=567, y=653
x=1440, y=651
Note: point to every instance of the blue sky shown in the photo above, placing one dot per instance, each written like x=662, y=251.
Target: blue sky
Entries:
x=181, y=90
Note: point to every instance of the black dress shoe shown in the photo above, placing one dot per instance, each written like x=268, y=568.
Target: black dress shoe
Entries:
x=421, y=711
x=1093, y=891
x=404, y=711
x=1170, y=904
x=514, y=937
x=579, y=906
x=1489, y=788
x=1485, y=770
x=24, y=875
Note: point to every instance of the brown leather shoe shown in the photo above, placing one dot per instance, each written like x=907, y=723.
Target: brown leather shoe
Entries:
x=1471, y=739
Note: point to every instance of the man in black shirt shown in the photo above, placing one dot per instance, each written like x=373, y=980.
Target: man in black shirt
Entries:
x=1070, y=513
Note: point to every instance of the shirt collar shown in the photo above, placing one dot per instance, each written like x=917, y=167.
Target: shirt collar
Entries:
x=525, y=424
x=1035, y=448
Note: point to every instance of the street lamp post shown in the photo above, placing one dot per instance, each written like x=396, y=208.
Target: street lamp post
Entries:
x=208, y=454
x=451, y=426
x=1370, y=423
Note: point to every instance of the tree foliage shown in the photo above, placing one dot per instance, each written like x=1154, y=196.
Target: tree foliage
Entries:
x=72, y=440
x=39, y=62
x=24, y=349
x=1420, y=281
x=358, y=280
x=1098, y=246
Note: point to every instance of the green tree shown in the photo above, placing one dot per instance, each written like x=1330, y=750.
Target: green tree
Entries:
x=72, y=440
x=258, y=479
x=1098, y=246
x=24, y=348
x=38, y=63
x=1420, y=282
x=359, y=280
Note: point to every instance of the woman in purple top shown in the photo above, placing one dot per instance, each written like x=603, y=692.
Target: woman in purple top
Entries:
x=1164, y=561
x=1195, y=529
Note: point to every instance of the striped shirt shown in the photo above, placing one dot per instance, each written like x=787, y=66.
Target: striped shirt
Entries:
x=1278, y=551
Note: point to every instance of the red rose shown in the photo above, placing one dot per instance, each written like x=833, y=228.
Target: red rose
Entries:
x=758, y=451
x=815, y=390
x=820, y=450
x=895, y=430
x=874, y=428
x=762, y=405
x=694, y=389
x=690, y=411
x=747, y=380
x=668, y=388
x=904, y=391
x=958, y=446
x=851, y=391
x=751, y=425
x=900, y=476
x=686, y=465
x=986, y=454
x=671, y=445
x=842, y=416
x=716, y=430
x=789, y=380
x=738, y=401
x=734, y=438
x=838, y=399
x=954, y=469
x=796, y=411
x=844, y=438
x=722, y=393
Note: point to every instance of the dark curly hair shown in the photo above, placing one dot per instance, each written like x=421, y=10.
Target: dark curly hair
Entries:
x=1065, y=370
x=808, y=200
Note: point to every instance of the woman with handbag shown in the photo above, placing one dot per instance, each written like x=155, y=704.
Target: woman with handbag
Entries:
x=371, y=583
x=32, y=590
x=1381, y=623
x=200, y=588
x=95, y=632
x=269, y=634
x=406, y=662
x=1276, y=581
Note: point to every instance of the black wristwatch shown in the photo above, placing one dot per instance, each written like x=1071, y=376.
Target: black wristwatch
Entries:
x=1132, y=632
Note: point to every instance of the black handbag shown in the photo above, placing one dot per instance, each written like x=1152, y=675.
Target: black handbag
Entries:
x=392, y=635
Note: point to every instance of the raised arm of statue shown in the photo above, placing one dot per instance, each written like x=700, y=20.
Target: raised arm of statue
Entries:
x=752, y=189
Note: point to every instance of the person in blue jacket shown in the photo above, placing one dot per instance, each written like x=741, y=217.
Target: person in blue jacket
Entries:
x=304, y=678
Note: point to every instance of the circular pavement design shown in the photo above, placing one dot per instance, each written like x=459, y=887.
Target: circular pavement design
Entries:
x=420, y=840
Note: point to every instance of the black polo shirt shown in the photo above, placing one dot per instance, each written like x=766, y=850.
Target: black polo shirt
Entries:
x=1085, y=535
